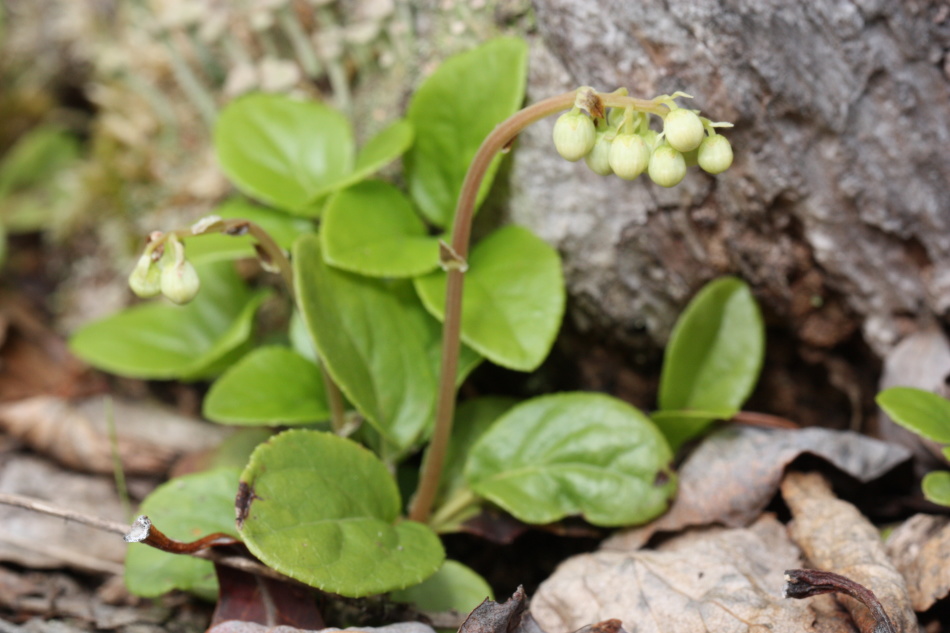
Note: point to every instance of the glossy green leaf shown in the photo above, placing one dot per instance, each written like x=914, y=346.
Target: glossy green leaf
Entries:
x=36, y=157
x=377, y=342
x=217, y=247
x=714, y=356
x=936, y=487
x=455, y=587
x=514, y=298
x=283, y=151
x=372, y=229
x=920, y=411
x=381, y=150
x=159, y=340
x=325, y=511
x=472, y=419
x=577, y=453
x=271, y=385
x=452, y=113
x=185, y=508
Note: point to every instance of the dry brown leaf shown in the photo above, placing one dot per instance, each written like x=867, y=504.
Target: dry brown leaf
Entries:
x=510, y=616
x=835, y=537
x=920, y=548
x=236, y=626
x=39, y=541
x=76, y=435
x=731, y=477
x=715, y=580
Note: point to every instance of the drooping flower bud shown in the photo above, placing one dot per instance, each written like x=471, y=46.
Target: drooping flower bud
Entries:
x=683, y=130
x=629, y=156
x=667, y=166
x=596, y=159
x=145, y=280
x=715, y=154
x=574, y=135
x=180, y=282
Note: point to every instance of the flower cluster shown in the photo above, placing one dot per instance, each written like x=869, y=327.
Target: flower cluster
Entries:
x=618, y=139
x=165, y=270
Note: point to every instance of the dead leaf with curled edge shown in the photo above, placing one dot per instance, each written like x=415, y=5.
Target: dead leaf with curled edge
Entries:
x=75, y=434
x=920, y=549
x=835, y=537
x=731, y=477
x=712, y=580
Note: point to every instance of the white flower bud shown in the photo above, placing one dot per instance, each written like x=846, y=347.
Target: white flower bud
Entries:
x=667, y=166
x=145, y=278
x=629, y=156
x=715, y=154
x=683, y=130
x=574, y=135
x=180, y=281
x=596, y=159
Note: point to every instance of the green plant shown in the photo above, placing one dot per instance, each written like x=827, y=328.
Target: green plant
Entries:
x=371, y=288
x=928, y=415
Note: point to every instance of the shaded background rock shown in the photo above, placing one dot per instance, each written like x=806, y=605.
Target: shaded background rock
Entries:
x=835, y=210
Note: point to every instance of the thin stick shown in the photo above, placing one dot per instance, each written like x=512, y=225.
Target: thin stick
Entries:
x=28, y=503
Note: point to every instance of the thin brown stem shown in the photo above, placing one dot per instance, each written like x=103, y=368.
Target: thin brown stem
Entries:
x=36, y=505
x=142, y=531
x=500, y=138
x=767, y=420
x=805, y=583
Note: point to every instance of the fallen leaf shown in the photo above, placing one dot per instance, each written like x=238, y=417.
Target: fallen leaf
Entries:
x=920, y=549
x=39, y=541
x=235, y=626
x=251, y=598
x=835, y=537
x=731, y=477
x=75, y=434
x=713, y=580
x=510, y=616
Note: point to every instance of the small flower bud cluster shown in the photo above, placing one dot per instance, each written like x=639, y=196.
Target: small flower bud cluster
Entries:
x=626, y=146
x=166, y=271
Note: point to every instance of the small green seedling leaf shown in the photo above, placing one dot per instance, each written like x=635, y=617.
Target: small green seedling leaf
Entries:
x=36, y=157
x=455, y=587
x=514, y=298
x=452, y=113
x=324, y=510
x=185, y=508
x=920, y=411
x=714, y=357
x=578, y=453
x=372, y=229
x=217, y=247
x=377, y=342
x=381, y=150
x=936, y=487
x=271, y=385
x=161, y=341
x=283, y=151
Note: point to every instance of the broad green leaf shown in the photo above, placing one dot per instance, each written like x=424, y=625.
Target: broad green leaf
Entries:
x=714, y=356
x=185, y=508
x=372, y=229
x=216, y=247
x=455, y=587
x=472, y=419
x=513, y=298
x=577, y=453
x=159, y=341
x=920, y=411
x=936, y=487
x=324, y=510
x=381, y=150
x=300, y=338
x=377, y=342
x=282, y=151
x=452, y=112
x=271, y=385
x=36, y=157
